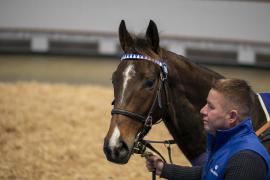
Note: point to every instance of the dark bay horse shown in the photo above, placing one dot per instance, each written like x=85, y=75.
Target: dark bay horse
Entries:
x=144, y=93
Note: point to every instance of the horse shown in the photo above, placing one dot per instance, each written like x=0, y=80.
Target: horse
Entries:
x=152, y=83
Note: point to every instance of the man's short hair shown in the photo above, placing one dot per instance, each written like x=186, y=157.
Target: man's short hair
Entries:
x=239, y=93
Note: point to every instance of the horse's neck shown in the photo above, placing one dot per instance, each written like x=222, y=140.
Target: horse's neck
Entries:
x=195, y=80
x=189, y=86
x=185, y=125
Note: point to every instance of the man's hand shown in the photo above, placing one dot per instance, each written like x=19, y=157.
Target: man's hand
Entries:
x=153, y=163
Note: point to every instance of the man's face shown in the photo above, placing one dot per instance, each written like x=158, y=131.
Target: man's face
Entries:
x=215, y=112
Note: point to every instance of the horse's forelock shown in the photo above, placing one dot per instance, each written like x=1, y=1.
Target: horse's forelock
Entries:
x=142, y=46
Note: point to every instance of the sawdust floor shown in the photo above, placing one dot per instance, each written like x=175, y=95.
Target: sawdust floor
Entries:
x=56, y=131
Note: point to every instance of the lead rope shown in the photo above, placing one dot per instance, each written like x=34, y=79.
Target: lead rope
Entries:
x=154, y=175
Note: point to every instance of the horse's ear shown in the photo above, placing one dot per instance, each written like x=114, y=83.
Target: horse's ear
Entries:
x=125, y=39
x=152, y=36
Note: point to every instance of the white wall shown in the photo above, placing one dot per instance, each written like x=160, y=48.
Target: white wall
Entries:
x=214, y=19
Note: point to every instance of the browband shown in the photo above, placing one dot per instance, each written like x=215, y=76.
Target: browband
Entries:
x=143, y=57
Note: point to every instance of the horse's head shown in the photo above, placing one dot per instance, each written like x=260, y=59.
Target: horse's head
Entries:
x=136, y=82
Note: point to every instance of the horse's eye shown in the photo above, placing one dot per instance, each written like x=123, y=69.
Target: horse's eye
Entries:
x=149, y=83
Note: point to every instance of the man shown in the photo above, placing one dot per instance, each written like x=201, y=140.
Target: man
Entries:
x=234, y=150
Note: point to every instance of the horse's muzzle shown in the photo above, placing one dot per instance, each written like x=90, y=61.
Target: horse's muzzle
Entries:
x=119, y=154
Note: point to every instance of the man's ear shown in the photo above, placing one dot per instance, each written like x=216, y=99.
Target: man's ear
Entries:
x=234, y=117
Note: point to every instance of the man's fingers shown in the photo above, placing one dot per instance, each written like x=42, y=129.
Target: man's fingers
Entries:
x=150, y=167
x=151, y=158
x=151, y=162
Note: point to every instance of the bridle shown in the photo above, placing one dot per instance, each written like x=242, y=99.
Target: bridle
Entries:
x=146, y=120
x=140, y=145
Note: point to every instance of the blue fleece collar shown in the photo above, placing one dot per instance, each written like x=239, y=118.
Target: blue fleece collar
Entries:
x=223, y=136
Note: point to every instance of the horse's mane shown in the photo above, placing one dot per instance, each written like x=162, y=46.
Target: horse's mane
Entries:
x=142, y=46
x=190, y=64
x=207, y=69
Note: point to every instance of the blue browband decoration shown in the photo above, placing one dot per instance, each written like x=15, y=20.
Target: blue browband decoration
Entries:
x=143, y=57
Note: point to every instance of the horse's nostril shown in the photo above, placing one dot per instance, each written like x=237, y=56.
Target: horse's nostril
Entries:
x=107, y=150
x=122, y=150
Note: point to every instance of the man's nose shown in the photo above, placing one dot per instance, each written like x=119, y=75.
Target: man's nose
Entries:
x=204, y=109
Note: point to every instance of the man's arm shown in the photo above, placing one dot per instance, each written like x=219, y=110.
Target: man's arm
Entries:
x=171, y=172
x=246, y=165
